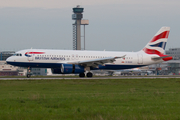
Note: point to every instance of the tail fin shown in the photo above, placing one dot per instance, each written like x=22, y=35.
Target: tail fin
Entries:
x=158, y=43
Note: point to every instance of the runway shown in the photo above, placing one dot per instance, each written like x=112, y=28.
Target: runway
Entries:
x=69, y=78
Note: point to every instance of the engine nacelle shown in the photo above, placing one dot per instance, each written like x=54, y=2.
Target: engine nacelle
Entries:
x=68, y=69
x=56, y=70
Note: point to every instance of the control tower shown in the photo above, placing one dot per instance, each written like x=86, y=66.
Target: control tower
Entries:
x=77, y=16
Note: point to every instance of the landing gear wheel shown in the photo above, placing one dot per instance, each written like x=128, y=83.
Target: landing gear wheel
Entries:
x=89, y=74
x=28, y=75
x=28, y=72
x=81, y=75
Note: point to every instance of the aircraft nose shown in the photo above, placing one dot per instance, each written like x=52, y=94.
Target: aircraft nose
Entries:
x=8, y=60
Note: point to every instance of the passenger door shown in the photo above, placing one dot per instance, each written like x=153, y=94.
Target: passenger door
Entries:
x=140, y=59
x=30, y=56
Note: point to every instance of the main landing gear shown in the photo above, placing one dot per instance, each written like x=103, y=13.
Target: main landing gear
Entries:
x=81, y=75
x=28, y=72
x=89, y=74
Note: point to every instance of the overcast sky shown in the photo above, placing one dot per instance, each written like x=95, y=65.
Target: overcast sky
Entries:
x=115, y=25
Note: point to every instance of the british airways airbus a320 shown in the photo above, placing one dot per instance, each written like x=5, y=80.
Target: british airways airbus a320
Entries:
x=81, y=62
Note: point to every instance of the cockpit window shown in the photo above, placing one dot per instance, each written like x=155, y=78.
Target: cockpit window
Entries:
x=17, y=54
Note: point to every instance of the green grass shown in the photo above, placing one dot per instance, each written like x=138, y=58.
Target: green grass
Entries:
x=115, y=99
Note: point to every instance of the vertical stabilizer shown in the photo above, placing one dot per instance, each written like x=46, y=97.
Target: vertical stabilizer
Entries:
x=158, y=42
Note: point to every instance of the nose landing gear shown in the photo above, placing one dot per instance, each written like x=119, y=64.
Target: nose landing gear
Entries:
x=28, y=72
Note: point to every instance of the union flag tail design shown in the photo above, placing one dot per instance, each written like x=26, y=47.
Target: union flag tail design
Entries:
x=158, y=43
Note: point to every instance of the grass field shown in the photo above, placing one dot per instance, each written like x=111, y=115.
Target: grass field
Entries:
x=123, y=99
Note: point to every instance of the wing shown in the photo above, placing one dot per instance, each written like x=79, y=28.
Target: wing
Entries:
x=96, y=62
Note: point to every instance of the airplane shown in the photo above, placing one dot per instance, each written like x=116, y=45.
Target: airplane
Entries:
x=83, y=62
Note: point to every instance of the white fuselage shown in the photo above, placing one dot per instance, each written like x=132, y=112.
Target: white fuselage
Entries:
x=54, y=58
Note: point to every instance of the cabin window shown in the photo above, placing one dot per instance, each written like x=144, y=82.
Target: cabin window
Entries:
x=17, y=54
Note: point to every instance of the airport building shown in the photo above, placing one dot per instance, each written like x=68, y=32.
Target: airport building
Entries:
x=5, y=54
x=174, y=65
x=39, y=71
x=5, y=69
x=174, y=52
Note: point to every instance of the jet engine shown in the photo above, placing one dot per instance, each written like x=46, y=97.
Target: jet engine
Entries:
x=68, y=69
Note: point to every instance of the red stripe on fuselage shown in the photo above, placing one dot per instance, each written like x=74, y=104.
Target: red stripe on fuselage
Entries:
x=162, y=35
x=34, y=53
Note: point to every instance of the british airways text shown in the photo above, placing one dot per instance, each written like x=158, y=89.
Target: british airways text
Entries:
x=50, y=58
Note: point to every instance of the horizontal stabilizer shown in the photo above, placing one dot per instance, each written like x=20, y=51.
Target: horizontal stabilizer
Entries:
x=163, y=57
